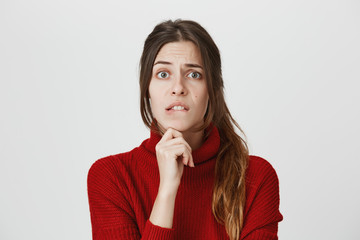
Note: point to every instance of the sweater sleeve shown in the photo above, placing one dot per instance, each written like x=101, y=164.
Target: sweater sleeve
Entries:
x=263, y=215
x=112, y=216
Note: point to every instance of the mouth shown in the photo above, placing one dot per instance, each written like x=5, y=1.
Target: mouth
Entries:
x=177, y=106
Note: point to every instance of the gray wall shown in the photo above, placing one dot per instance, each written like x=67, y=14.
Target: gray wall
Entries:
x=69, y=95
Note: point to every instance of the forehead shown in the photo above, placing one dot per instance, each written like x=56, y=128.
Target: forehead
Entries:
x=180, y=51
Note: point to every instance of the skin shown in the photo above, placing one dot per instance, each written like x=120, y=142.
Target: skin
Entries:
x=177, y=78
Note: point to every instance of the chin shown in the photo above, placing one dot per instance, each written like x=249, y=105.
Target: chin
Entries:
x=180, y=125
x=177, y=125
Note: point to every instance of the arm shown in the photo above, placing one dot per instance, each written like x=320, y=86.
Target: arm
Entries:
x=172, y=153
x=162, y=213
x=263, y=215
x=110, y=211
x=112, y=216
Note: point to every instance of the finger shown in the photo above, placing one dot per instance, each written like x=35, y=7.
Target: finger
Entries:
x=185, y=161
x=170, y=134
x=186, y=155
x=173, y=136
x=180, y=153
x=180, y=142
x=175, y=133
x=190, y=161
x=185, y=158
x=192, y=164
x=177, y=141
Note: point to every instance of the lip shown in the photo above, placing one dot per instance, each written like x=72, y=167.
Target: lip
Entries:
x=177, y=103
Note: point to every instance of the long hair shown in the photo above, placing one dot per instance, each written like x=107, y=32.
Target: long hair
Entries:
x=228, y=199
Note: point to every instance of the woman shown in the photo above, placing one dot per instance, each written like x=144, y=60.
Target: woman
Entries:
x=193, y=178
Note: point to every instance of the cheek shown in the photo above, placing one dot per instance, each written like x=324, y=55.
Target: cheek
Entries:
x=202, y=98
x=151, y=89
x=155, y=88
x=201, y=92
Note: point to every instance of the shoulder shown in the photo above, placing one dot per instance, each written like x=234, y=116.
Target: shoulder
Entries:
x=259, y=164
x=111, y=165
x=260, y=170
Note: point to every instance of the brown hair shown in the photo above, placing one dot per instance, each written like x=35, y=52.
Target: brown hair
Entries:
x=229, y=188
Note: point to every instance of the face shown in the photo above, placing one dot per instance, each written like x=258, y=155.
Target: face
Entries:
x=178, y=91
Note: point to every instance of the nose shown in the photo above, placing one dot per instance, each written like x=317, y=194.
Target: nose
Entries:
x=178, y=88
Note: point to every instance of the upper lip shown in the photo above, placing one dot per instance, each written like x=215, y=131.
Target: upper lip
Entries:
x=186, y=107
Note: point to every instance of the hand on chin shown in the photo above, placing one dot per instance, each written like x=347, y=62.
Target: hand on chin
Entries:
x=176, y=126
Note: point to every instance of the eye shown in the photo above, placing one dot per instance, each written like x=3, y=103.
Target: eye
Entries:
x=195, y=75
x=163, y=75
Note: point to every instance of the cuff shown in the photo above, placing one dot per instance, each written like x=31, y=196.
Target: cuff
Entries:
x=152, y=231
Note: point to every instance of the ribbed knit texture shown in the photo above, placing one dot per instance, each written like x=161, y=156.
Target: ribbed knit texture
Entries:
x=122, y=189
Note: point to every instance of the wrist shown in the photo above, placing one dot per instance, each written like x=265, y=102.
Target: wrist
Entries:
x=167, y=192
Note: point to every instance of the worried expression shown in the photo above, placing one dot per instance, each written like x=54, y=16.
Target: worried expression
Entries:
x=178, y=90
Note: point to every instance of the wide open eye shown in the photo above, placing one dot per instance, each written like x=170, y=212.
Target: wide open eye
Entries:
x=163, y=74
x=195, y=75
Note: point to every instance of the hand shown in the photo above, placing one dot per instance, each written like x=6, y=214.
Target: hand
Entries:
x=172, y=153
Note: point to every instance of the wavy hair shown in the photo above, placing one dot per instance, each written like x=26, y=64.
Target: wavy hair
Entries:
x=228, y=200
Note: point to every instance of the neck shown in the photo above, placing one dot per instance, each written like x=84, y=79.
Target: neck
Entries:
x=194, y=139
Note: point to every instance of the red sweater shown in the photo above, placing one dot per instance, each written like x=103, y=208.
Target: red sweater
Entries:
x=122, y=189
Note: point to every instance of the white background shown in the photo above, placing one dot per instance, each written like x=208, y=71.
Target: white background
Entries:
x=69, y=96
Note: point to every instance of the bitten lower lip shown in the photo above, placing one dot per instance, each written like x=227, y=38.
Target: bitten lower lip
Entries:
x=173, y=110
x=178, y=107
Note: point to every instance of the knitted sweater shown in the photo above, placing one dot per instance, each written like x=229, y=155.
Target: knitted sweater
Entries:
x=122, y=189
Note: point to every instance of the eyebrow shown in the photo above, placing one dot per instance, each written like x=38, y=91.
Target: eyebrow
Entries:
x=194, y=65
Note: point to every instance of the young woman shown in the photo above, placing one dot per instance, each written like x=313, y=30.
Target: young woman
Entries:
x=193, y=178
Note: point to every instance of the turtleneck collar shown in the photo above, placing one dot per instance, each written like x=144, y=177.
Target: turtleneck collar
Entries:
x=207, y=151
